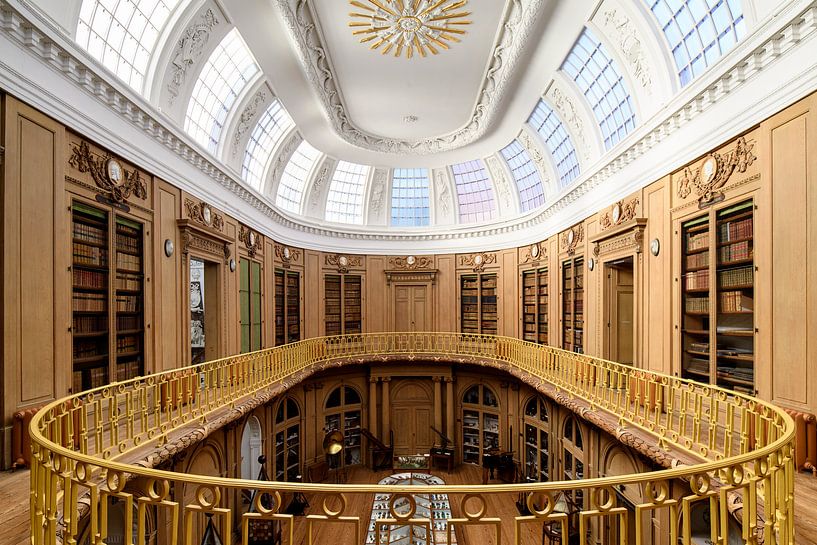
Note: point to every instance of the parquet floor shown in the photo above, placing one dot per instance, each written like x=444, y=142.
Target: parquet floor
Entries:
x=14, y=518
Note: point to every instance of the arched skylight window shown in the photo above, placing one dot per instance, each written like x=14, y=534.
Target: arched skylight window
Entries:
x=545, y=121
x=409, y=197
x=474, y=192
x=528, y=181
x=222, y=79
x=293, y=180
x=597, y=76
x=271, y=126
x=345, y=201
x=122, y=34
x=699, y=31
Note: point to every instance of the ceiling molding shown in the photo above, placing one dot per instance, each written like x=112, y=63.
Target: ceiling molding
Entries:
x=521, y=17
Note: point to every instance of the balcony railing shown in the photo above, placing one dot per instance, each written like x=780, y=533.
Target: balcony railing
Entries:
x=80, y=446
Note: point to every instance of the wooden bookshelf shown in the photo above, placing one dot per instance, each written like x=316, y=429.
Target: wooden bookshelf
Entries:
x=535, y=306
x=287, y=306
x=717, y=297
x=480, y=423
x=107, y=297
x=478, y=303
x=343, y=304
x=573, y=304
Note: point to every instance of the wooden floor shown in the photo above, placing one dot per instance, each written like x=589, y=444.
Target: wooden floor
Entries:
x=14, y=519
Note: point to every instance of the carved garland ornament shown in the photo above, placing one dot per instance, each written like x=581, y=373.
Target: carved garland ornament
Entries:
x=203, y=213
x=621, y=212
x=715, y=171
x=515, y=34
x=443, y=195
x=252, y=240
x=245, y=121
x=109, y=175
x=477, y=261
x=190, y=240
x=571, y=117
x=630, y=240
x=378, y=190
x=534, y=253
x=500, y=180
x=411, y=263
x=189, y=50
x=630, y=46
x=572, y=238
x=343, y=262
x=286, y=254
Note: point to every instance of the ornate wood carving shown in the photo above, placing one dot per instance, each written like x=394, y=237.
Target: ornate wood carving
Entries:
x=478, y=261
x=427, y=275
x=343, y=262
x=192, y=240
x=411, y=263
x=287, y=255
x=626, y=212
x=202, y=213
x=630, y=240
x=534, y=253
x=252, y=240
x=715, y=171
x=571, y=241
x=117, y=191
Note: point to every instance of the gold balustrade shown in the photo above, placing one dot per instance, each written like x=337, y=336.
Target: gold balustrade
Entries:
x=79, y=444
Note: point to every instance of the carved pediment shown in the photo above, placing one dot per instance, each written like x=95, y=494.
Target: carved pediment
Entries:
x=619, y=213
x=252, y=240
x=203, y=214
x=287, y=255
x=343, y=262
x=534, y=253
x=115, y=181
x=411, y=262
x=477, y=261
x=709, y=179
x=203, y=242
x=571, y=238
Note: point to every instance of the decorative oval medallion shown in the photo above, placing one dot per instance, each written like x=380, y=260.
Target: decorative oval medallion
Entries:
x=206, y=214
x=287, y=253
x=478, y=259
x=343, y=261
x=571, y=236
x=616, y=212
x=534, y=250
x=114, y=169
x=411, y=260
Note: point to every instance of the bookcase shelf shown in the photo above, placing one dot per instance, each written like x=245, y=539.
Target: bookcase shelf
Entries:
x=717, y=297
x=573, y=304
x=106, y=294
x=478, y=303
x=535, y=299
x=343, y=303
x=287, y=306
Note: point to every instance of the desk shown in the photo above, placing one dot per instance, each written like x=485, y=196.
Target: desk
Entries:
x=439, y=459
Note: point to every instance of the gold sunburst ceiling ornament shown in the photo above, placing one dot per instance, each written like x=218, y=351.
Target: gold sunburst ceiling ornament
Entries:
x=409, y=25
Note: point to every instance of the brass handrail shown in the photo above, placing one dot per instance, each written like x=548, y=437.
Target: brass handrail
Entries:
x=746, y=442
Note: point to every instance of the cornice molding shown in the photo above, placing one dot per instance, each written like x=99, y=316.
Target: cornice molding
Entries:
x=519, y=21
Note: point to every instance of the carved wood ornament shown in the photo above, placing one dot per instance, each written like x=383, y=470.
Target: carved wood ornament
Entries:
x=715, y=171
x=572, y=238
x=411, y=263
x=202, y=213
x=104, y=172
x=287, y=255
x=477, y=261
x=252, y=240
x=620, y=212
x=534, y=253
x=343, y=262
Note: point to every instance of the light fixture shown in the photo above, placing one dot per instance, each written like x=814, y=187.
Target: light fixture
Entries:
x=655, y=246
x=420, y=26
x=333, y=442
x=591, y=263
x=232, y=265
x=169, y=247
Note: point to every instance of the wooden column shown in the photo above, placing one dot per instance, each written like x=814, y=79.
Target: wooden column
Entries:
x=438, y=408
x=373, y=405
x=386, y=412
x=449, y=410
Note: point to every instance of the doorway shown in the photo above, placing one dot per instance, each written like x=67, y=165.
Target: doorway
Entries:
x=411, y=307
x=204, y=311
x=619, y=310
x=412, y=417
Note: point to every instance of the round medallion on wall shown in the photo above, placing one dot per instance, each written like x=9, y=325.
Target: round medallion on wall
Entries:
x=411, y=260
x=232, y=265
x=251, y=238
x=534, y=250
x=478, y=259
x=655, y=246
x=591, y=263
x=616, y=213
x=168, y=247
x=571, y=236
x=709, y=168
x=343, y=261
x=206, y=214
x=114, y=169
x=287, y=253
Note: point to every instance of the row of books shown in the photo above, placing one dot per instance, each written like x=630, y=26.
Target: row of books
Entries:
x=699, y=347
x=89, y=302
x=736, y=301
x=97, y=377
x=127, y=243
x=735, y=252
x=89, y=324
x=736, y=277
x=90, y=233
x=696, y=241
x=697, y=304
x=127, y=370
x=128, y=303
x=696, y=280
x=735, y=230
x=128, y=262
x=128, y=343
x=695, y=261
x=128, y=323
x=89, y=279
x=698, y=365
x=740, y=373
x=84, y=348
x=128, y=282
x=90, y=255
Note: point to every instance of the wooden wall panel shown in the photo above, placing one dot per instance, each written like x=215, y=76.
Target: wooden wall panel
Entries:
x=313, y=295
x=445, y=305
x=508, y=288
x=594, y=325
x=790, y=162
x=231, y=325
x=169, y=284
x=656, y=335
x=376, y=313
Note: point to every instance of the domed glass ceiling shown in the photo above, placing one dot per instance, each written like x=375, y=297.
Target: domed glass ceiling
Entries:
x=128, y=36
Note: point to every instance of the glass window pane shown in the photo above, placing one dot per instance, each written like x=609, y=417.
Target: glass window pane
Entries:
x=293, y=180
x=345, y=201
x=409, y=199
x=549, y=126
x=474, y=191
x=525, y=174
x=267, y=132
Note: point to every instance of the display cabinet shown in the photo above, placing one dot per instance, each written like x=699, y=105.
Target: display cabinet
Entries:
x=478, y=303
x=535, y=305
x=573, y=304
x=343, y=304
x=287, y=306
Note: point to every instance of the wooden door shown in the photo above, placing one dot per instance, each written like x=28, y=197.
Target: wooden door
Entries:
x=619, y=312
x=411, y=308
x=411, y=416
